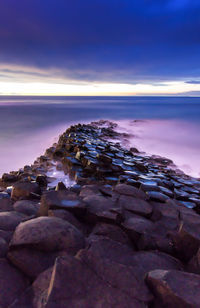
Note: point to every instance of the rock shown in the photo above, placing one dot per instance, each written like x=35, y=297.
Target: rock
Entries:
x=65, y=215
x=10, y=220
x=157, y=196
x=6, y=235
x=60, y=186
x=41, y=180
x=129, y=190
x=32, y=262
x=109, y=249
x=194, y=264
x=167, y=214
x=26, y=207
x=136, y=226
x=135, y=205
x=6, y=205
x=48, y=234
x=7, y=177
x=175, y=289
x=24, y=190
x=12, y=283
x=99, y=208
x=62, y=199
x=187, y=240
x=113, y=232
x=3, y=247
x=156, y=239
x=70, y=289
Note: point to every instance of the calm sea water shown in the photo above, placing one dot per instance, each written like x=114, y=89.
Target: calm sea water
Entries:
x=171, y=126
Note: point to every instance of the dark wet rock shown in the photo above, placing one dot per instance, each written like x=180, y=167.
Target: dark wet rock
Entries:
x=175, y=289
x=24, y=190
x=157, y=196
x=129, y=190
x=12, y=283
x=26, y=207
x=135, y=205
x=6, y=235
x=10, y=220
x=48, y=234
x=62, y=199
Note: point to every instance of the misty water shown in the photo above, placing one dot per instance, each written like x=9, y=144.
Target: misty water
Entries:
x=170, y=125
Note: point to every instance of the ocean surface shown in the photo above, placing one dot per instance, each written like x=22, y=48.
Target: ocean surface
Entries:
x=168, y=126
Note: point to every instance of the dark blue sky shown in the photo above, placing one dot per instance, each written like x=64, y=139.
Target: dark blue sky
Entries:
x=104, y=40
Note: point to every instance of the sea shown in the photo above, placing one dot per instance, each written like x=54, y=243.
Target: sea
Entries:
x=165, y=126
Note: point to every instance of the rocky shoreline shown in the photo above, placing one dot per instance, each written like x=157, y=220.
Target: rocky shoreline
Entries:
x=126, y=233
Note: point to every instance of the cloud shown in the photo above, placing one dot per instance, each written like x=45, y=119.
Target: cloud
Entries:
x=100, y=40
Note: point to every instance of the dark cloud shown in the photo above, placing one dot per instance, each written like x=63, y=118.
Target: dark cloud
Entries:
x=121, y=40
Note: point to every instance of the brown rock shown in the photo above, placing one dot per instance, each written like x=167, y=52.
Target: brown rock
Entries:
x=48, y=234
x=194, y=264
x=24, y=190
x=175, y=288
x=12, y=283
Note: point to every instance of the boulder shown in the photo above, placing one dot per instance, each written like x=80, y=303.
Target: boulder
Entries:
x=194, y=264
x=12, y=283
x=48, y=234
x=24, y=190
x=3, y=247
x=175, y=289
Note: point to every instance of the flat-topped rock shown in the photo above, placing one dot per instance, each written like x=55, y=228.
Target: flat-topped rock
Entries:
x=24, y=190
x=175, y=289
x=129, y=190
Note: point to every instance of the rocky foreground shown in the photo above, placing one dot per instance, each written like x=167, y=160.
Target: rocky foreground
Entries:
x=126, y=235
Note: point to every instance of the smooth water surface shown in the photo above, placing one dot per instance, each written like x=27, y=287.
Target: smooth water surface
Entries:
x=28, y=125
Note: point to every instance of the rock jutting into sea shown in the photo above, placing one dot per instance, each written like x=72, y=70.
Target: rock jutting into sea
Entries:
x=116, y=229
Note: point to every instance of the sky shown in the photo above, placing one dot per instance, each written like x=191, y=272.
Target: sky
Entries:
x=100, y=47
